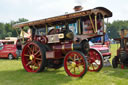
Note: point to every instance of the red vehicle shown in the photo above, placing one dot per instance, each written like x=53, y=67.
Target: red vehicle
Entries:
x=8, y=49
x=103, y=49
x=65, y=39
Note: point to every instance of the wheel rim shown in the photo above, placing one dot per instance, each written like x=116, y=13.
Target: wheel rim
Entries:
x=32, y=57
x=95, y=62
x=10, y=56
x=74, y=64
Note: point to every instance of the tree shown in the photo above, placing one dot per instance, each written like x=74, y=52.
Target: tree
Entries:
x=6, y=29
x=114, y=28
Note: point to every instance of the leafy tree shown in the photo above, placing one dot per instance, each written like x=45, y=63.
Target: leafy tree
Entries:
x=9, y=34
x=6, y=29
x=114, y=28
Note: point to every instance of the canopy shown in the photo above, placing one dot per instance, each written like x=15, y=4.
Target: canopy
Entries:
x=105, y=12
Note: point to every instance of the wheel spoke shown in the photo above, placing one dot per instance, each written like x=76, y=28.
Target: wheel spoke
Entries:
x=74, y=70
x=33, y=49
x=36, y=64
x=37, y=52
x=30, y=49
x=26, y=55
x=74, y=57
x=38, y=55
x=38, y=59
x=78, y=69
x=93, y=67
x=80, y=64
x=33, y=67
x=70, y=68
x=96, y=63
x=68, y=63
x=30, y=62
x=70, y=58
x=39, y=64
x=97, y=56
x=80, y=60
x=29, y=52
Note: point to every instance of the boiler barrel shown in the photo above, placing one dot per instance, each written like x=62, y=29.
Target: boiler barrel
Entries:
x=67, y=47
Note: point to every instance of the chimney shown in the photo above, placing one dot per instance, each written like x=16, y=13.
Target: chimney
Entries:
x=78, y=8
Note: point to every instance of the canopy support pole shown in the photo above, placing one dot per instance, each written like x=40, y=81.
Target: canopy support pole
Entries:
x=92, y=23
x=96, y=23
x=104, y=30
x=18, y=35
x=22, y=35
x=79, y=27
x=46, y=26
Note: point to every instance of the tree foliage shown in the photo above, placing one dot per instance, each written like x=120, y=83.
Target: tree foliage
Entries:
x=6, y=29
x=114, y=28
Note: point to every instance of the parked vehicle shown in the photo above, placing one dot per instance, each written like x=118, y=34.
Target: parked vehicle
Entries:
x=122, y=53
x=104, y=49
x=65, y=39
x=9, y=50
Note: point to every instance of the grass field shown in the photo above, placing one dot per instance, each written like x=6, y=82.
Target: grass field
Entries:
x=12, y=73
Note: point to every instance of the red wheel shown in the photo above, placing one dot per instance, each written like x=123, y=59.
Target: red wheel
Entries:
x=95, y=60
x=33, y=57
x=75, y=64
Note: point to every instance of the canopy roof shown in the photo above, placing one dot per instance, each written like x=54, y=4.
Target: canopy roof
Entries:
x=105, y=12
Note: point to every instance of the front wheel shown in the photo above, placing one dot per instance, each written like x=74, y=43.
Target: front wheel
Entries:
x=75, y=64
x=95, y=60
x=33, y=57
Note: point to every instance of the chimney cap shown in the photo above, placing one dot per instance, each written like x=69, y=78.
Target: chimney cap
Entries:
x=78, y=8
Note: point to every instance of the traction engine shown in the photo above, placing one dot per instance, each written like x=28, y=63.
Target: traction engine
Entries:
x=63, y=41
x=122, y=53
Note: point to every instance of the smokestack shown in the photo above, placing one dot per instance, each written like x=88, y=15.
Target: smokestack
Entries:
x=78, y=8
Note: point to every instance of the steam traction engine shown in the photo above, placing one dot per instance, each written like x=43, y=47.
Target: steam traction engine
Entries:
x=122, y=53
x=64, y=38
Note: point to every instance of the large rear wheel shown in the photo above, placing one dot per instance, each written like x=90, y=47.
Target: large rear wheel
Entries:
x=33, y=57
x=95, y=60
x=75, y=64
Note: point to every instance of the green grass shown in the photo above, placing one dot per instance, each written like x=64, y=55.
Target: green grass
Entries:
x=12, y=73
